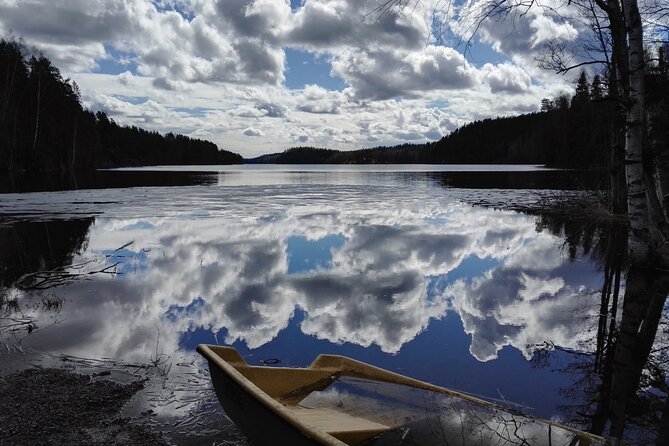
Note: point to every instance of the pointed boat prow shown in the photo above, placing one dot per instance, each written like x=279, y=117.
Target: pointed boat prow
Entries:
x=263, y=402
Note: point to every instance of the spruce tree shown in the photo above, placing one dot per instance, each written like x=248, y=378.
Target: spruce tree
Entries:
x=547, y=105
x=582, y=94
x=596, y=92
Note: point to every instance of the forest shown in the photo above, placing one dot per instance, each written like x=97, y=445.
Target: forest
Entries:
x=43, y=125
x=569, y=132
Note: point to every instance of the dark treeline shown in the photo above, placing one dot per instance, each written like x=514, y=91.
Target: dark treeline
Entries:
x=576, y=136
x=296, y=155
x=574, y=132
x=565, y=137
x=43, y=125
x=133, y=146
x=402, y=154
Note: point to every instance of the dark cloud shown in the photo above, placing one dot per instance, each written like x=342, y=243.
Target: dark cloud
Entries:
x=433, y=135
x=241, y=308
x=332, y=24
x=72, y=22
x=163, y=84
x=408, y=136
x=253, y=132
x=499, y=236
x=272, y=110
x=260, y=22
x=262, y=63
x=386, y=74
x=383, y=309
x=386, y=246
x=488, y=335
x=499, y=290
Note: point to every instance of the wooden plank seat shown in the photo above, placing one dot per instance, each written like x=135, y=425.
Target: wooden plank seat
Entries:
x=347, y=428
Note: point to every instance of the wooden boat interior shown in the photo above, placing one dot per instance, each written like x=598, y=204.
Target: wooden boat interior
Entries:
x=352, y=403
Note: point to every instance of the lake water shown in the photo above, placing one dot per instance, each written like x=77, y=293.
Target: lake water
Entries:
x=398, y=267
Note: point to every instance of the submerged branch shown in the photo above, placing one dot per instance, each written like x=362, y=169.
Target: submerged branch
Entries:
x=43, y=280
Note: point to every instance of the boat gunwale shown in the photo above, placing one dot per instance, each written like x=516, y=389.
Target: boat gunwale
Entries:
x=344, y=366
x=269, y=402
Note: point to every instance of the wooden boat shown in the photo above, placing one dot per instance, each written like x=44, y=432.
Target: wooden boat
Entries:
x=341, y=401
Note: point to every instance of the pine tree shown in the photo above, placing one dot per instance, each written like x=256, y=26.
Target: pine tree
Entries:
x=582, y=94
x=596, y=93
x=662, y=61
x=547, y=105
x=562, y=102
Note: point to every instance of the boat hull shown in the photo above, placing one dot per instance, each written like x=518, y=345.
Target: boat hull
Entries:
x=276, y=406
x=260, y=424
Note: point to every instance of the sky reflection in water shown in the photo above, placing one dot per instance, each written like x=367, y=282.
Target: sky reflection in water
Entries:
x=404, y=276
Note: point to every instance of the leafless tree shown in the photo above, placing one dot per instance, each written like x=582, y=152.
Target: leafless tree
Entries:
x=616, y=41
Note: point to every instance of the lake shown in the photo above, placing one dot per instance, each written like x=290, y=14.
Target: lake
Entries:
x=422, y=270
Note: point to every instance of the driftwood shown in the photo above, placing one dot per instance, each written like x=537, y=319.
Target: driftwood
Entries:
x=43, y=280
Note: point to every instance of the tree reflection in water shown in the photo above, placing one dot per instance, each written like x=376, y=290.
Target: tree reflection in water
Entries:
x=36, y=255
x=625, y=379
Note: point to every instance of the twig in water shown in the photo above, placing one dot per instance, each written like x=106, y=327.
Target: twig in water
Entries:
x=124, y=246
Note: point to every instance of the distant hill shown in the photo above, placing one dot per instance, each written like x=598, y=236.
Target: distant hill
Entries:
x=43, y=125
x=571, y=137
x=296, y=155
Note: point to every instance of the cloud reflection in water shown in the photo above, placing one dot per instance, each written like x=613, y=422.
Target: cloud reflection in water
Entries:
x=370, y=287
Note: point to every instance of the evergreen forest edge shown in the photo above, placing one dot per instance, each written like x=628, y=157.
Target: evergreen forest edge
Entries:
x=568, y=132
x=43, y=126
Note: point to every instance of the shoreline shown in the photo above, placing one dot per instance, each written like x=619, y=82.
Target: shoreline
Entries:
x=60, y=399
x=56, y=406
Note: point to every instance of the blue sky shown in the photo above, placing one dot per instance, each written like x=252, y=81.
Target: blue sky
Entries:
x=259, y=76
x=304, y=68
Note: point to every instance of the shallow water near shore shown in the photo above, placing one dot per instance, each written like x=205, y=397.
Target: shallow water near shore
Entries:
x=402, y=268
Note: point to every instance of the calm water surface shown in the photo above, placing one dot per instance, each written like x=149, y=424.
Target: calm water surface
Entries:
x=394, y=267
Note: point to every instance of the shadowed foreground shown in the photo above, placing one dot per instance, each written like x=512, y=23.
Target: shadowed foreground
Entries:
x=50, y=406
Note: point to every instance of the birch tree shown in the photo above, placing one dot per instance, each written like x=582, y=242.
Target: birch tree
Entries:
x=617, y=28
x=616, y=40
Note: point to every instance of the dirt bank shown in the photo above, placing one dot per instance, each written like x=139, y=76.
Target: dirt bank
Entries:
x=51, y=406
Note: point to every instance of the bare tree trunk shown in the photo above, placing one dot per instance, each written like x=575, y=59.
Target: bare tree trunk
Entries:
x=12, y=143
x=616, y=246
x=4, y=112
x=39, y=95
x=9, y=83
x=603, y=312
x=74, y=141
x=658, y=131
x=617, y=169
x=619, y=93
